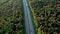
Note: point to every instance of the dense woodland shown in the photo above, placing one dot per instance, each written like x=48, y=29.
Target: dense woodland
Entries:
x=11, y=17
x=47, y=13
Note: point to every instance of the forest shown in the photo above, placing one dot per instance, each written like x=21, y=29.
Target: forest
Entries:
x=47, y=15
x=11, y=17
x=43, y=15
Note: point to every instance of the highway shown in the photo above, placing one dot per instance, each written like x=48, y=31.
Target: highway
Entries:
x=28, y=20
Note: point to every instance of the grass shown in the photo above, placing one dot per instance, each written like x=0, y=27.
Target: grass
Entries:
x=24, y=29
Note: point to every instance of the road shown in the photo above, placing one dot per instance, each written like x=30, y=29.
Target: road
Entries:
x=28, y=20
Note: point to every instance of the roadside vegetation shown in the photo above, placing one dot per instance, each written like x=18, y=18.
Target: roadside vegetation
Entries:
x=11, y=17
x=47, y=16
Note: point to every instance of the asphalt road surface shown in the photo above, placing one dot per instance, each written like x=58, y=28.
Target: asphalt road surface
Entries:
x=28, y=20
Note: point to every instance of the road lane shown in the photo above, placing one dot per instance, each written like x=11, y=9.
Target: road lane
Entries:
x=28, y=20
